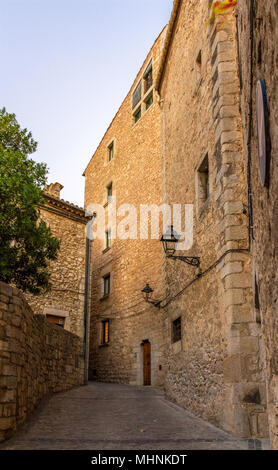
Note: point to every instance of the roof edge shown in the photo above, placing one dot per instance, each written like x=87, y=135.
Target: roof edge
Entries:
x=168, y=39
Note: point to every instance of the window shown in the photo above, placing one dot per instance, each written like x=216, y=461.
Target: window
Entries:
x=136, y=97
x=137, y=115
x=149, y=101
x=203, y=182
x=199, y=63
x=176, y=330
x=111, y=152
x=59, y=321
x=109, y=191
x=106, y=285
x=148, y=77
x=105, y=332
x=108, y=238
x=143, y=94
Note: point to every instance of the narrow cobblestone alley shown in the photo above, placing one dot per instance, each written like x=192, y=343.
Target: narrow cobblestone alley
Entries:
x=117, y=417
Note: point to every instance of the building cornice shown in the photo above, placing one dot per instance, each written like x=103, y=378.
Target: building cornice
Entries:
x=64, y=209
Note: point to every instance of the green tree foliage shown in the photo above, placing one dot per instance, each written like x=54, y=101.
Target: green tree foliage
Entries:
x=26, y=242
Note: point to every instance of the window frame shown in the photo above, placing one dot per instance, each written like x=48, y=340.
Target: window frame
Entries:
x=111, y=148
x=106, y=291
x=176, y=330
x=134, y=102
x=108, y=239
x=140, y=107
x=138, y=111
x=150, y=96
x=108, y=188
x=148, y=70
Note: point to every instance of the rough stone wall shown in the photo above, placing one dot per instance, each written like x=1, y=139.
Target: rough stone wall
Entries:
x=36, y=359
x=66, y=297
x=216, y=370
x=135, y=172
x=263, y=49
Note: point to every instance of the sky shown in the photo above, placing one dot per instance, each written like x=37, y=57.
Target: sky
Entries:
x=66, y=66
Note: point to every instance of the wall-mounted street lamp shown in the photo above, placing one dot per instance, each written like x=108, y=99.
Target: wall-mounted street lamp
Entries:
x=147, y=294
x=169, y=240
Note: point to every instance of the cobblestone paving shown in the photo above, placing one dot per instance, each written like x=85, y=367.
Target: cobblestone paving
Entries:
x=118, y=417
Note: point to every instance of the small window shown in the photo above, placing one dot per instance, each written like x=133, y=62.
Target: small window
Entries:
x=137, y=115
x=109, y=191
x=108, y=238
x=148, y=77
x=199, y=63
x=203, y=182
x=149, y=101
x=106, y=285
x=176, y=330
x=59, y=321
x=111, y=152
x=105, y=332
x=136, y=97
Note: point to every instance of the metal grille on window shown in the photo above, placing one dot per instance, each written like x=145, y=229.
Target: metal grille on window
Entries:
x=137, y=95
x=177, y=330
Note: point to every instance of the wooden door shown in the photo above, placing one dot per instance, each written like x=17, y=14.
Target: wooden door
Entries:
x=147, y=363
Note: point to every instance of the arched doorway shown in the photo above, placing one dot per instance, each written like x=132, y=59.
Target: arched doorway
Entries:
x=146, y=345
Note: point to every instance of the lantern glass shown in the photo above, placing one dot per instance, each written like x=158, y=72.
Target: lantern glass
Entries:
x=147, y=292
x=169, y=240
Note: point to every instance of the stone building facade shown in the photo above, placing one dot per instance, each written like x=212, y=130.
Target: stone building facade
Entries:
x=257, y=24
x=214, y=367
x=188, y=136
x=126, y=340
x=64, y=303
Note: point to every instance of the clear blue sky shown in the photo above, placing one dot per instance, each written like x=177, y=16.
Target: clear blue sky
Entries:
x=66, y=66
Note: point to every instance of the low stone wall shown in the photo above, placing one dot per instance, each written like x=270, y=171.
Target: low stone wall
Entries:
x=37, y=358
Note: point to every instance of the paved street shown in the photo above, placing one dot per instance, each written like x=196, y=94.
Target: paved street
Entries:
x=117, y=417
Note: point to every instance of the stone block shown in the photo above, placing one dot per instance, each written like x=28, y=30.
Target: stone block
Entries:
x=233, y=207
x=239, y=314
x=229, y=111
x=230, y=136
x=9, y=369
x=249, y=344
x=6, y=290
x=239, y=232
x=6, y=423
x=231, y=268
x=227, y=67
x=234, y=297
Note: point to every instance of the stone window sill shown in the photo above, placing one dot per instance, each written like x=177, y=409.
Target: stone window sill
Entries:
x=104, y=345
x=106, y=250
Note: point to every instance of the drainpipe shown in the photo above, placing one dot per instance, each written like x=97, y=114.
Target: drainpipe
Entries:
x=89, y=231
x=86, y=308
